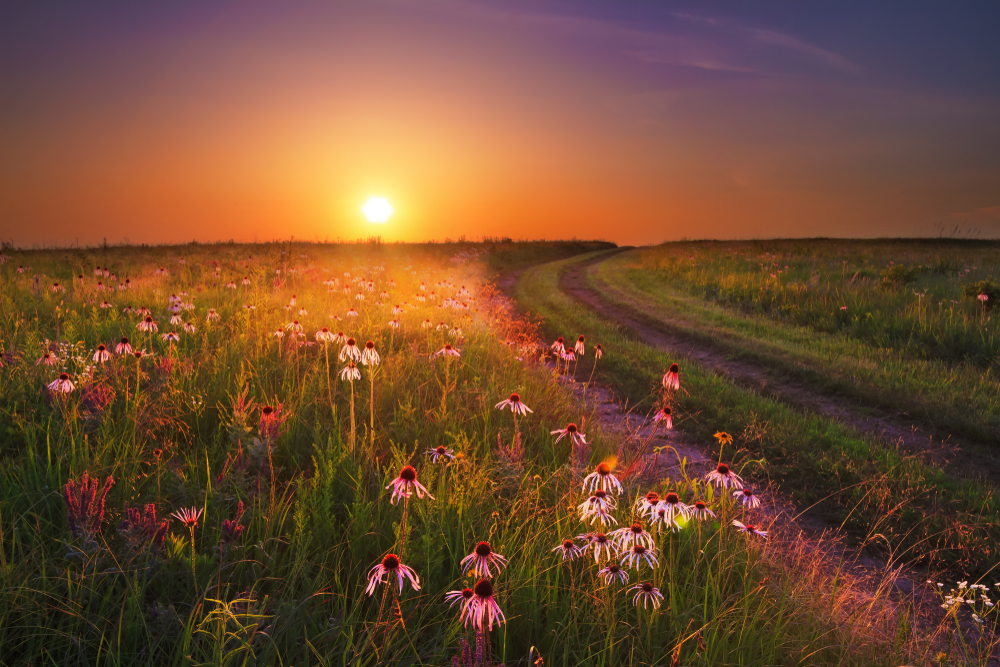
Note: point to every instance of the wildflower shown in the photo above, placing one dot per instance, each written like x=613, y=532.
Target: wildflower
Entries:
x=447, y=351
x=598, y=506
x=426, y=324
x=271, y=421
x=701, y=512
x=279, y=334
x=212, y=316
x=750, y=529
x=49, y=359
x=723, y=438
x=613, y=572
x=391, y=567
x=598, y=351
x=393, y=324
x=578, y=348
x=106, y=304
x=188, y=327
x=245, y=281
x=56, y=287
x=648, y=502
x=405, y=484
x=572, y=432
x=171, y=337
x=983, y=298
x=102, y=354
x=369, y=357
x=189, y=517
x=747, y=497
x=515, y=404
x=664, y=415
x=672, y=378
x=439, y=452
x=147, y=325
x=600, y=542
x=559, y=346
x=603, y=479
x=724, y=477
x=324, y=335
x=630, y=535
x=350, y=351
x=648, y=594
x=142, y=526
x=638, y=555
x=352, y=313
x=232, y=529
x=294, y=327
x=350, y=372
x=466, y=596
x=86, y=504
x=176, y=319
x=340, y=338
x=484, y=609
x=123, y=346
x=569, y=550
x=61, y=384
x=481, y=558
x=674, y=507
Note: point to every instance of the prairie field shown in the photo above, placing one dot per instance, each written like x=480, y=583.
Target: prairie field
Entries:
x=365, y=454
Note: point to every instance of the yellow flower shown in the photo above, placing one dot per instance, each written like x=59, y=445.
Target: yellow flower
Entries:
x=724, y=438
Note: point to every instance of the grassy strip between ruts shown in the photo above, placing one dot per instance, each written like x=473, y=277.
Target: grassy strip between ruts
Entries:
x=871, y=486
x=950, y=397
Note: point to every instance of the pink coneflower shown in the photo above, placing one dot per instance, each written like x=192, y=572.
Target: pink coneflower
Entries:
x=568, y=354
x=246, y=280
x=558, y=346
x=484, y=610
x=294, y=327
x=340, y=338
x=602, y=478
x=648, y=502
x=147, y=325
x=648, y=594
x=747, y=498
x=598, y=351
x=426, y=324
x=481, y=558
x=600, y=542
x=303, y=312
x=212, y=316
x=441, y=327
x=983, y=298
x=188, y=327
x=569, y=550
x=578, y=348
x=639, y=554
x=627, y=536
x=674, y=507
x=750, y=529
x=572, y=432
x=106, y=304
x=189, y=517
x=48, y=359
x=324, y=335
x=142, y=311
x=369, y=357
x=447, y=351
x=280, y=333
x=62, y=384
x=350, y=351
x=56, y=287
x=101, y=354
x=701, y=511
x=725, y=478
x=672, y=378
x=394, y=324
x=664, y=415
x=465, y=596
x=598, y=507
x=613, y=572
x=440, y=452
x=176, y=319
x=351, y=312
x=350, y=372
x=171, y=337
x=405, y=484
x=515, y=405
x=391, y=567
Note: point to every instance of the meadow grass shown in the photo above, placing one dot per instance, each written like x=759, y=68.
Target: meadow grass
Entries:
x=251, y=432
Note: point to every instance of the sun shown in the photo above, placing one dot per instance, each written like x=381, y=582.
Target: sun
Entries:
x=377, y=209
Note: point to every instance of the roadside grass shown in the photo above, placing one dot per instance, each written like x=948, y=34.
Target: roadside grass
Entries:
x=881, y=494
x=284, y=582
x=950, y=397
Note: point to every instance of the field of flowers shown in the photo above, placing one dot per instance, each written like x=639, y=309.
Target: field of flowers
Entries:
x=358, y=454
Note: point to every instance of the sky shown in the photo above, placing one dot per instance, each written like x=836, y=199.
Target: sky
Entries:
x=633, y=122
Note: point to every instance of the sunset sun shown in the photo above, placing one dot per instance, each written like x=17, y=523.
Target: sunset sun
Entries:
x=377, y=209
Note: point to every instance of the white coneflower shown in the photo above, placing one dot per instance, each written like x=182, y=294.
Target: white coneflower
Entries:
x=48, y=359
x=294, y=327
x=62, y=384
x=391, y=567
x=701, y=511
x=627, y=536
x=599, y=542
x=725, y=478
x=579, y=347
x=447, y=351
x=638, y=554
x=648, y=594
x=750, y=529
x=572, y=432
x=324, y=335
x=101, y=354
x=350, y=372
x=440, y=452
x=369, y=357
x=613, y=572
x=405, y=484
x=672, y=378
x=515, y=405
x=212, y=316
x=350, y=351
x=484, y=610
x=480, y=560
x=147, y=325
x=569, y=550
x=664, y=415
x=602, y=478
x=747, y=498
x=171, y=337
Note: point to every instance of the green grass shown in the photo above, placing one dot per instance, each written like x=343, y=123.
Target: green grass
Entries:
x=182, y=430
x=923, y=514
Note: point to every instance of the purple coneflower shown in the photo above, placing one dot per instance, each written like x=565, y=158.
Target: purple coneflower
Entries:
x=701, y=511
x=484, y=610
x=369, y=357
x=440, y=452
x=391, y=567
x=639, y=554
x=62, y=384
x=171, y=337
x=750, y=529
x=515, y=405
x=672, y=378
x=572, y=432
x=647, y=503
x=350, y=372
x=664, y=415
x=465, y=596
x=602, y=478
x=48, y=359
x=294, y=327
x=324, y=335
x=559, y=346
x=350, y=351
x=147, y=325
x=189, y=517
x=123, y=346
x=102, y=354
x=634, y=534
x=481, y=558
x=569, y=550
x=723, y=477
x=600, y=542
x=405, y=484
x=613, y=572
x=447, y=351
x=579, y=348
x=747, y=498
x=647, y=593
x=598, y=351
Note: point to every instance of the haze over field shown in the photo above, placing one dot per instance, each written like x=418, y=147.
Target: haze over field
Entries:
x=629, y=122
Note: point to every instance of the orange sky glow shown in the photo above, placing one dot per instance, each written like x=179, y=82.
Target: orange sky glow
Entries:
x=266, y=121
